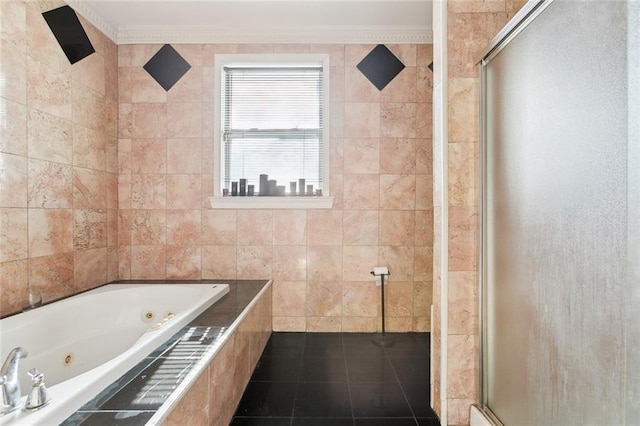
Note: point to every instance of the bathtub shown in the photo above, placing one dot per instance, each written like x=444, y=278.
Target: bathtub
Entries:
x=84, y=343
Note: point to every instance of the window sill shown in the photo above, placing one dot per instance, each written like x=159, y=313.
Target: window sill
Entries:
x=271, y=202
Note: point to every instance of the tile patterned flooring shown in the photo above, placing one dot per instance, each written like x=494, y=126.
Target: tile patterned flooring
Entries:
x=336, y=379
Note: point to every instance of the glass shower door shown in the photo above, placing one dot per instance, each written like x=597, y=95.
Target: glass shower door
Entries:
x=556, y=211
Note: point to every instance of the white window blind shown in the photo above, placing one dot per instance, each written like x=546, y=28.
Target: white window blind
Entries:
x=272, y=124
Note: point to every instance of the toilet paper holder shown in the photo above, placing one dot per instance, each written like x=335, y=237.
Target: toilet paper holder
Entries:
x=379, y=273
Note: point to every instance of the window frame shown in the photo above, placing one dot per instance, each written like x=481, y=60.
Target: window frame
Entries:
x=220, y=201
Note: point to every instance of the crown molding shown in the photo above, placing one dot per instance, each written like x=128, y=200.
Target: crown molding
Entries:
x=319, y=35
x=329, y=34
x=90, y=15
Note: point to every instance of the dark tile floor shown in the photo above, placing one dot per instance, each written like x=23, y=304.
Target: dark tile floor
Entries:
x=336, y=379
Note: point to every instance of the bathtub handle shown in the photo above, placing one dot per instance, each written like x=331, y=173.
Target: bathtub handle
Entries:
x=39, y=395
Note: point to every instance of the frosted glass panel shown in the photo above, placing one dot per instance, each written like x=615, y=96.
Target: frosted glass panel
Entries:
x=556, y=219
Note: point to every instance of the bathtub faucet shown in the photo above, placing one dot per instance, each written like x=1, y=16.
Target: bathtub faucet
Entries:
x=9, y=380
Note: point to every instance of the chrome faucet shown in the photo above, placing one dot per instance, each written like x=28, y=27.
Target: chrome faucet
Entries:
x=9, y=380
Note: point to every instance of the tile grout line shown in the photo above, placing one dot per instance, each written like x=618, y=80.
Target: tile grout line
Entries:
x=299, y=373
x=346, y=367
x=404, y=394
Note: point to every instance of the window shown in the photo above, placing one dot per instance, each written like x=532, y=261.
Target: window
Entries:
x=271, y=118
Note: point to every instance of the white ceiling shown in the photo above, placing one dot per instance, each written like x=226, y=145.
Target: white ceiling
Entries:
x=260, y=21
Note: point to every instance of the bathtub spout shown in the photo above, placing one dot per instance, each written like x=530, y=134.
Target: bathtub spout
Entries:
x=9, y=380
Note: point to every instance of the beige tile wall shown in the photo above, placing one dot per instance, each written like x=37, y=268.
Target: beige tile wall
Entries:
x=381, y=177
x=105, y=175
x=58, y=160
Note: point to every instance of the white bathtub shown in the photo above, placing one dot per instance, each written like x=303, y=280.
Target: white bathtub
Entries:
x=84, y=343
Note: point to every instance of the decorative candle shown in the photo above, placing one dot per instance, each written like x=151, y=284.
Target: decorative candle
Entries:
x=271, y=187
x=263, y=189
x=301, y=183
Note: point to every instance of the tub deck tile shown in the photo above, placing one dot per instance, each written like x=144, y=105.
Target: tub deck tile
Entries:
x=101, y=418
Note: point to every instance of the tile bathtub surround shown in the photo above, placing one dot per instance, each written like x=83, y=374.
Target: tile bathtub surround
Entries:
x=319, y=260
x=141, y=392
x=214, y=397
x=207, y=361
x=58, y=160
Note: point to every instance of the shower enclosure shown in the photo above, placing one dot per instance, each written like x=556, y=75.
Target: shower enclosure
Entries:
x=560, y=265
